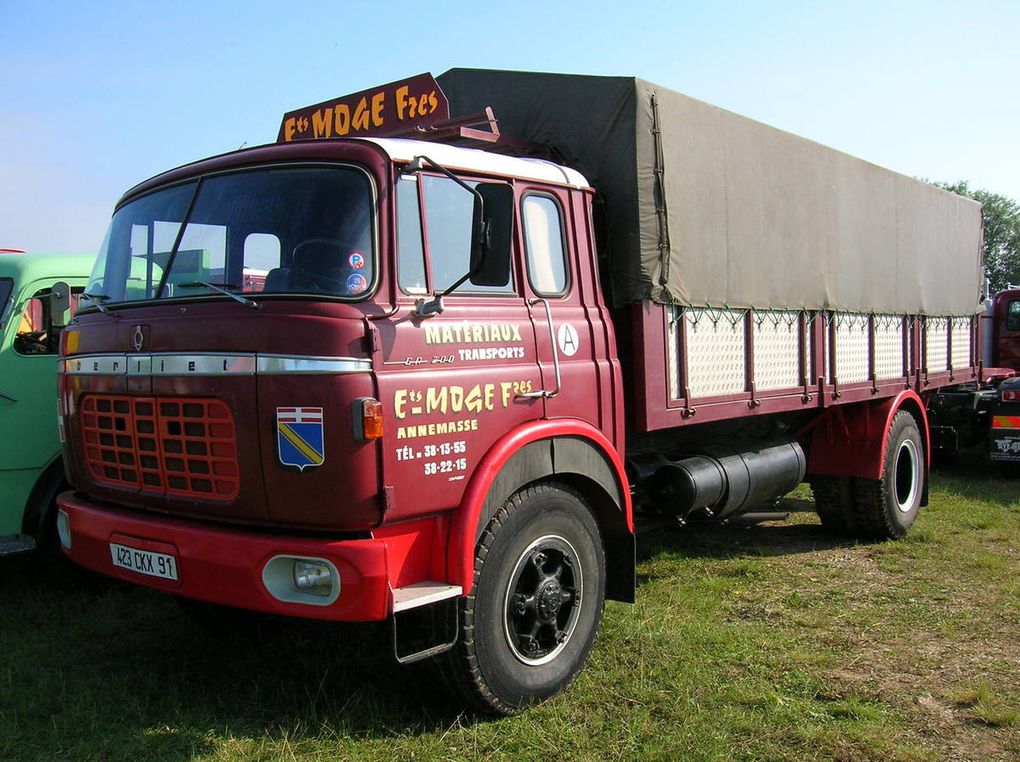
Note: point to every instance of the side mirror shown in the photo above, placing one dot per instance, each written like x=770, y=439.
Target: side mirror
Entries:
x=60, y=303
x=493, y=232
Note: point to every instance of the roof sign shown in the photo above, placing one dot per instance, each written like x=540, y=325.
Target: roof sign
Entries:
x=397, y=108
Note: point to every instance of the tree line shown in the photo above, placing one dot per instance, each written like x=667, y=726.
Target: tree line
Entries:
x=1001, y=216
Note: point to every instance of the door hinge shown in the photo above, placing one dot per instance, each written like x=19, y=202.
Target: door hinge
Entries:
x=372, y=337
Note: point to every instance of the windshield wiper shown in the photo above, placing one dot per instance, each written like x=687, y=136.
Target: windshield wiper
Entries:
x=222, y=288
x=97, y=302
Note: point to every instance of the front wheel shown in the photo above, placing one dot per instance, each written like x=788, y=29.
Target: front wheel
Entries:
x=530, y=621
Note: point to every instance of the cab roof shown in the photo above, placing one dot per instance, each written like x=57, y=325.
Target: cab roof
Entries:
x=483, y=162
x=24, y=266
x=397, y=150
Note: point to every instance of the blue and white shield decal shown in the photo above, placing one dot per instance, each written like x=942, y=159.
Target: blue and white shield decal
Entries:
x=299, y=436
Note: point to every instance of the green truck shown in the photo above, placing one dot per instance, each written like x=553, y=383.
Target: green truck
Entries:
x=38, y=295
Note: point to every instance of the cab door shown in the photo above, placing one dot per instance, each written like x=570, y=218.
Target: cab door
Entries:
x=28, y=378
x=570, y=321
x=453, y=382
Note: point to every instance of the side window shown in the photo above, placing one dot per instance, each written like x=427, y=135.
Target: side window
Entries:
x=543, y=238
x=261, y=255
x=410, y=248
x=1013, y=316
x=448, y=209
x=6, y=287
x=35, y=332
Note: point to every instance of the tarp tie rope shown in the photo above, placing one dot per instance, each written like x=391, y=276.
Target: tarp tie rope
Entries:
x=789, y=318
x=660, y=196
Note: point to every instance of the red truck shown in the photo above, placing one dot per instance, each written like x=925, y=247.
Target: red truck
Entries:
x=986, y=412
x=468, y=366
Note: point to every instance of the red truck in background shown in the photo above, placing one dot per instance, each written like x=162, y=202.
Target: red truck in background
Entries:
x=464, y=371
x=1002, y=329
x=986, y=412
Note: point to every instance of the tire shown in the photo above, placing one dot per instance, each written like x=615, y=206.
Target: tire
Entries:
x=884, y=508
x=530, y=621
x=833, y=497
x=41, y=513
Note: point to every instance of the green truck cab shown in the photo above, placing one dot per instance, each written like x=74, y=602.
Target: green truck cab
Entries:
x=38, y=295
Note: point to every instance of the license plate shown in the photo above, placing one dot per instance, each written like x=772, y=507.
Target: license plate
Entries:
x=146, y=562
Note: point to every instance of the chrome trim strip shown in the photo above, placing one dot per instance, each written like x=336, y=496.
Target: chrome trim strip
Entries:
x=96, y=365
x=210, y=364
x=139, y=365
x=203, y=364
x=274, y=365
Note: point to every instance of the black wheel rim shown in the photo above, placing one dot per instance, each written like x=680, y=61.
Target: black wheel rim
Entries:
x=543, y=600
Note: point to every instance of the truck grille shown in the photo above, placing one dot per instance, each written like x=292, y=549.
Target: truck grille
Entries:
x=173, y=446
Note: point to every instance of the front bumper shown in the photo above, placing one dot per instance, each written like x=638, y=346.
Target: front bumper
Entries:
x=225, y=566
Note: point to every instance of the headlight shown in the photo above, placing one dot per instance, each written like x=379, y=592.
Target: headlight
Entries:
x=293, y=579
x=64, y=529
x=313, y=576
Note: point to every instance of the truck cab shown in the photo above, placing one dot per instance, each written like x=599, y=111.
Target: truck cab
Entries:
x=1004, y=315
x=329, y=441
x=31, y=469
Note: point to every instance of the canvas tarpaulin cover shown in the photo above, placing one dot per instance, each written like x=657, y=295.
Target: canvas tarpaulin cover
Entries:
x=702, y=206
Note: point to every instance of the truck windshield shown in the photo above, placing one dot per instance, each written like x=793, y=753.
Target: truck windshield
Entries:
x=303, y=230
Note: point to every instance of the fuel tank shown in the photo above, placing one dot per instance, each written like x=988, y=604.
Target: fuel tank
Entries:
x=729, y=479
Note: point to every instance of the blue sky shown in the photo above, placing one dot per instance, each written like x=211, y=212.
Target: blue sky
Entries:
x=99, y=96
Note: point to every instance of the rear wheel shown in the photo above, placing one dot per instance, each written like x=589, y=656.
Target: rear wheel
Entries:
x=884, y=508
x=530, y=621
x=833, y=497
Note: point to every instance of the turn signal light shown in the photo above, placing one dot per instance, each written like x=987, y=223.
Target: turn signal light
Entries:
x=69, y=341
x=368, y=419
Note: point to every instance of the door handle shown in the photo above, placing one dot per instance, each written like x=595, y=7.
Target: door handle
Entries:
x=545, y=393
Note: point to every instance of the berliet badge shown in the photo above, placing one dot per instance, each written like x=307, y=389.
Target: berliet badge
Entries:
x=138, y=338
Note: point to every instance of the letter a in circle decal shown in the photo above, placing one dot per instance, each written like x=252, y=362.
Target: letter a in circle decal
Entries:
x=568, y=339
x=299, y=437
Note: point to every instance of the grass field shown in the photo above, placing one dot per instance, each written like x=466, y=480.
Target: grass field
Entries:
x=774, y=641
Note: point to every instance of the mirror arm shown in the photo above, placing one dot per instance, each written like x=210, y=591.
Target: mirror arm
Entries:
x=417, y=164
x=428, y=307
x=434, y=306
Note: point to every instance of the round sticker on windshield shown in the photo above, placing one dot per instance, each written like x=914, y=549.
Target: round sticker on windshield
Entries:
x=356, y=260
x=356, y=283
